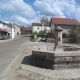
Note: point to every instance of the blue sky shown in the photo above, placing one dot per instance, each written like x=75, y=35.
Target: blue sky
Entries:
x=25, y=12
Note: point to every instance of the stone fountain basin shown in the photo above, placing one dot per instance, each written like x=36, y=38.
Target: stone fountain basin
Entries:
x=46, y=57
x=67, y=51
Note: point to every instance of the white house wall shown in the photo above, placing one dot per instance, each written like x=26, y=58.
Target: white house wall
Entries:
x=17, y=30
x=37, y=28
x=66, y=29
x=48, y=28
x=1, y=25
x=8, y=28
x=4, y=26
x=40, y=28
x=52, y=26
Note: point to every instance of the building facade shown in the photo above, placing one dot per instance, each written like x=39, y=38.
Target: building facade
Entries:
x=64, y=23
x=28, y=30
x=17, y=30
x=37, y=27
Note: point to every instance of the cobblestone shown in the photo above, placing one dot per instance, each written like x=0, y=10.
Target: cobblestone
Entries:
x=54, y=74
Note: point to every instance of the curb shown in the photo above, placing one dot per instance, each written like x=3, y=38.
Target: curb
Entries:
x=10, y=65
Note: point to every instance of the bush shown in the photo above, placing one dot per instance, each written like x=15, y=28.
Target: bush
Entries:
x=32, y=36
x=51, y=35
x=40, y=33
x=23, y=32
x=65, y=35
x=74, y=33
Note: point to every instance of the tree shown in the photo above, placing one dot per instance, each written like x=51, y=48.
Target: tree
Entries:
x=44, y=20
x=23, y=32
x=75, y=33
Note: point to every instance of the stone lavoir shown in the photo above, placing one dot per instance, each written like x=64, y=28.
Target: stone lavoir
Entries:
x=56, y=56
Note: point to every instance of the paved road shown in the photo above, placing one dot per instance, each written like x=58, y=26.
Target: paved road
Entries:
x=10, y=49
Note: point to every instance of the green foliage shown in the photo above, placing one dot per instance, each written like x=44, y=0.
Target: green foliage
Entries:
x=51, y=35
x=32, y=36
x=65, y=35
x=75, y=33
x=40, y=33
x=23, y=32
x=37, y=35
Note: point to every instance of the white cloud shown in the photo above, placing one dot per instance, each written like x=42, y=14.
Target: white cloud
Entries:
x=23, y=13
x=71, y=9
x=17, y=7
x=58, y=8
x=49, y=8
x=20, y=20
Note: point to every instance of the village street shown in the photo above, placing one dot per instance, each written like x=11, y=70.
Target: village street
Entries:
x=10, y=49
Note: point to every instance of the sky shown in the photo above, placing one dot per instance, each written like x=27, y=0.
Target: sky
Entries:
x=26, y=12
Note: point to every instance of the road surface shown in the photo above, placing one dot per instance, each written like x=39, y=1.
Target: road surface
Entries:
x=10, y=49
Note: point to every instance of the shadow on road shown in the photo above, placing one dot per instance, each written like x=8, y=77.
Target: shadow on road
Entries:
x=27, y=60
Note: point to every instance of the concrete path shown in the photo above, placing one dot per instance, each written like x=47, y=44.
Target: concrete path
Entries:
x=9, y=49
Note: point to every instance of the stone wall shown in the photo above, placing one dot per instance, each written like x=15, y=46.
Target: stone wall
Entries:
x=55, y=60
x=50, y=40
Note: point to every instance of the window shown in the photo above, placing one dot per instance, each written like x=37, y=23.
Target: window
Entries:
x=38, y=28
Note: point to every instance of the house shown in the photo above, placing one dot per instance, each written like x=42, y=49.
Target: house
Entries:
x=63, y=23
x=4, y=28
x=37, y=27
x=17, y=30
x=3, y=32
x=28, y=30
x=9, y=29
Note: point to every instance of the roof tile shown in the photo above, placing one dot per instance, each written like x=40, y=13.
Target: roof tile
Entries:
x=64, y=21
x=28, y=29
x=3, y=30
x=39, y=24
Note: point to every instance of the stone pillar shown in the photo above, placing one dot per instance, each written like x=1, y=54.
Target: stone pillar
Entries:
x=60, y=38
x=56, y=38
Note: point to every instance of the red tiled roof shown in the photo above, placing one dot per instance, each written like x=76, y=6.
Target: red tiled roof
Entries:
x=3, y=30
x=36, y=24
x=64, y=21
x=28, y=29
x=39, y=24
x=46, y=25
